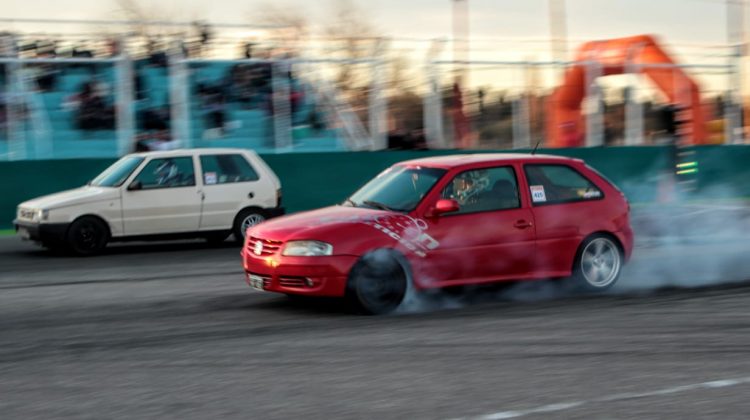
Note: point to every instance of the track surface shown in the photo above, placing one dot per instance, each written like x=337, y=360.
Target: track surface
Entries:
x=171, y=331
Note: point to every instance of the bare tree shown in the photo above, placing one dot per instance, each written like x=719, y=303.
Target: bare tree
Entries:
x=155, y=36
x=353, y=37
x=291, y=24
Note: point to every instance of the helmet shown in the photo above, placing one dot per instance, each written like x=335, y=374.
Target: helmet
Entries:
x=469, y=184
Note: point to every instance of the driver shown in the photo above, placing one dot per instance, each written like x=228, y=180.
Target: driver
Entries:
x=467, y=186
x=167, y=173
x=461, y=189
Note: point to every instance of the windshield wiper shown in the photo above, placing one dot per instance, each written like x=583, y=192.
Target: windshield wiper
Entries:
x=349, y=202
x=377, y=205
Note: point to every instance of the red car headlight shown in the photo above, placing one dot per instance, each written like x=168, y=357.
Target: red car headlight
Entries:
x=307, y=249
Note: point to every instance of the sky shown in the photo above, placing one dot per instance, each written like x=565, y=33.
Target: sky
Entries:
x=679, y=23
x=691, y=21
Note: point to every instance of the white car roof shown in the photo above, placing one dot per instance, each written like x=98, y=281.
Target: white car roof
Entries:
x=183, y=152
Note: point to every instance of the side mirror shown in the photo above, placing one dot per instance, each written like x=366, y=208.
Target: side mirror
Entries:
x=445, y=205
x=135, y=186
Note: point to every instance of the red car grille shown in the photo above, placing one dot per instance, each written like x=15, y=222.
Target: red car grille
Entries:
x=292, y=282
x=268, y=247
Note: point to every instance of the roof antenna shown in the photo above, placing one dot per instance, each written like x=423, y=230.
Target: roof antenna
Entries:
x=533, y=152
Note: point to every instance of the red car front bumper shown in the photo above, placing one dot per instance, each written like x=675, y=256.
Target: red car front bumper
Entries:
x=312, y=276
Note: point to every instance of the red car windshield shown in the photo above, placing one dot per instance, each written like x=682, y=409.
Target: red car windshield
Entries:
x=398, y=188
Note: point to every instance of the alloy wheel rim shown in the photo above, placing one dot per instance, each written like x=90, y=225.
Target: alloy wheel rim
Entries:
x=251, y=221
x=600, y=262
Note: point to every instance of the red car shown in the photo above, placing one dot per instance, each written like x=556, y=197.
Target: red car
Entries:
x=449, y=221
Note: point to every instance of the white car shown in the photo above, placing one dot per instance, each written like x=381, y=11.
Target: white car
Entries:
x=209, y=193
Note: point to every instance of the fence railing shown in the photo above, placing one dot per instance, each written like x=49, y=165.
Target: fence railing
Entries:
x=295, y=104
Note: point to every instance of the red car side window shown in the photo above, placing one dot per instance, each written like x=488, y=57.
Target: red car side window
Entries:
x=556, y=184
x=487, y=189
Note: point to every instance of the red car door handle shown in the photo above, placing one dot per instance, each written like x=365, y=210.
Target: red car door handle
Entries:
x=522, y=224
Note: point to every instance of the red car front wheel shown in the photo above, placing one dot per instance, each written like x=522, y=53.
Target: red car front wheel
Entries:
x=377, y=284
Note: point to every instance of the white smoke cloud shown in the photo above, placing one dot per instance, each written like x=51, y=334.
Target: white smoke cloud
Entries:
x=695, y=240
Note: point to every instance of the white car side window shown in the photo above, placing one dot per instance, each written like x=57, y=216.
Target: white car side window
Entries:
x=167, y=173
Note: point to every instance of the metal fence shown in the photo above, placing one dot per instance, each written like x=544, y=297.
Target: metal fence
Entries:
x=515, y=104
x=105, y=107
x=300, y=104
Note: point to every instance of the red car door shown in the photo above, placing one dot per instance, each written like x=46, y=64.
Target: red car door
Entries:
x=566, y=205
x=491, y=236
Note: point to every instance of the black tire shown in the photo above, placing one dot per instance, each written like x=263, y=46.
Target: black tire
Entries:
x=242, y=217
x=377, y=284
x=87, y=236
x=598, y=264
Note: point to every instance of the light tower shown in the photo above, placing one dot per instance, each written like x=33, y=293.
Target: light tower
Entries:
x=558, y=30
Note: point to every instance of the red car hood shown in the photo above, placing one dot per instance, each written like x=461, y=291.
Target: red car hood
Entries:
x=324, y=224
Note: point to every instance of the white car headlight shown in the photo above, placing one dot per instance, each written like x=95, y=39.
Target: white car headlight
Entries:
x=40, y=215
x=34, y=215
x=307, y=249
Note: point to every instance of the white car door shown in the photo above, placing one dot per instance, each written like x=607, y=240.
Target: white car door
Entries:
x=162, y=198
x=230, y=183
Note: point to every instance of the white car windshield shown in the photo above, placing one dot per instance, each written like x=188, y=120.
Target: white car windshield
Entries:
x=116, y=174
x=397, y=189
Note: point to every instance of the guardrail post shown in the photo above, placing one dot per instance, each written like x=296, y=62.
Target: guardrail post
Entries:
x=15, y=104
x=125, y=108
x=282, y=113
x=633, y=108
x=179, y=91
x=733, y=127
x=378, y=123
x=594, y=111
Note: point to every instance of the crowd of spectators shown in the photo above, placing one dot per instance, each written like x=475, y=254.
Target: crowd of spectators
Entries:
x=246, y=85
x=242, y=86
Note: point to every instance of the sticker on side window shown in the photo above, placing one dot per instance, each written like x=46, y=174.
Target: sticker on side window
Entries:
x=537, y=194
x=209, y=178
x=592, y=194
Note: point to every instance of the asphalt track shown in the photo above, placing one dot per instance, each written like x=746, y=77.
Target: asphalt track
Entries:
x=171, y=331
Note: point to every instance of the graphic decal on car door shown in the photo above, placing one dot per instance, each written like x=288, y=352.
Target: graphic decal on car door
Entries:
x=408, y=231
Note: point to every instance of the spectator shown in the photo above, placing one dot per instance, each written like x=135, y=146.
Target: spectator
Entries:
x=160, y=140
x=46, y=78
x=248, y=50
x=214, y=109
x=315, y=119
x=93, y=111
x=154, y=119
x=295, y=100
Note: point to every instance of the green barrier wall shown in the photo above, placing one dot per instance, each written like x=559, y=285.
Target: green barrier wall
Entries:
x=723, y=171
x=312, y=180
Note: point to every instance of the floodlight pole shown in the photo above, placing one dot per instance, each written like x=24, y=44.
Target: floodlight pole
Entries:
x=433, y=99
x=736, y=37
x=461, y=41
x=558, y=30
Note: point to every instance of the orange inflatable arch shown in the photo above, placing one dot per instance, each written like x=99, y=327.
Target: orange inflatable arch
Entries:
x=566, y=125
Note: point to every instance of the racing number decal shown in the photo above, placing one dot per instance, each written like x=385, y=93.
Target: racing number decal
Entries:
x=537, y=194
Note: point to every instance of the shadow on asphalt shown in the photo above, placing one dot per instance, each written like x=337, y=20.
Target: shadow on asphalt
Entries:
x=133, y=248
x=278, y=302
x=467, y=300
